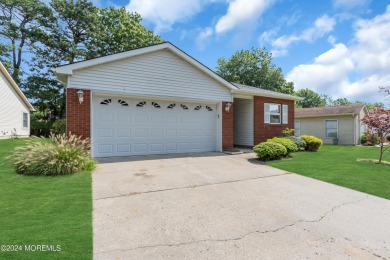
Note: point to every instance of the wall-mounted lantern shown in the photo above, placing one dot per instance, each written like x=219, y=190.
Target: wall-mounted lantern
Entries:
x=227, y=107
x=80, y=94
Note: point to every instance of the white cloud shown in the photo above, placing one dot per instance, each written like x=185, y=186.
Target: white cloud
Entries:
x=240, y=12
x=163, y=14
x=354, y=71
x=203, y=36
x=320, y=27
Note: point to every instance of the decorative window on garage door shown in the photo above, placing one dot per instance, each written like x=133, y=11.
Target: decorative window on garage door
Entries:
x=184, y=107
x=156, y=105
x=123, y=103
x=171, y=106
x=106, y=101
x=198, y=107
x=141, y=104
x=209, y=108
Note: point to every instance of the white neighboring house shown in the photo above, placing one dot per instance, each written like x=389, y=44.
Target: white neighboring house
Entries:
x=14, y=108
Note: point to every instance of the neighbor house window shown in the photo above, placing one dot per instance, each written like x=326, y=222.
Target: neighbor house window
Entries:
x=297, y=128
x=331, y=128
x=25, y=120
x=272, y=113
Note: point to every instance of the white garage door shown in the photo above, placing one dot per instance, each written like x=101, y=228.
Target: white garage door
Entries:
x=124, y=127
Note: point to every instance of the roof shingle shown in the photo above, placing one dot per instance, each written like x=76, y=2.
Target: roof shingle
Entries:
x=324, y=111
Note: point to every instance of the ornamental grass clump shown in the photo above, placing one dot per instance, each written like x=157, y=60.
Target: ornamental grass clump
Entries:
x=63, y=155
x=270, y=151
x=288, y=144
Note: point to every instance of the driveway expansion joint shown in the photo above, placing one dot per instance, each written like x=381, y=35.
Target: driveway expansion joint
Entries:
x=191, y=186
x=275, y=230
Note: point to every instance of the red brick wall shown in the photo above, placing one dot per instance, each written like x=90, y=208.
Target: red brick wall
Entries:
x=262, y=131
x=227, y=127
x=78, y=116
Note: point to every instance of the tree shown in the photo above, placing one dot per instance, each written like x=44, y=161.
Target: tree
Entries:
x=311, y=99
x=341, y=102
x=254, y=68
x=119, y=31
x=378, y=120
x=20, y=20
x=80, y=31
x=385, y=90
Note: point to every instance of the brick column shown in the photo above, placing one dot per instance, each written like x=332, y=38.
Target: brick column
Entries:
x=227, y=127
x=262, y=131
x=78, y=116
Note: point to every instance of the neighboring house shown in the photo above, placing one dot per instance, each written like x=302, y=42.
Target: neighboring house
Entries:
x=14, y=108
x=158, y=100
x=326, y=122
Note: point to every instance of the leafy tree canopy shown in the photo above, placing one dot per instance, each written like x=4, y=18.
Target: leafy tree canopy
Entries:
x=311, y=99
x=254, y=68
x=63, y=32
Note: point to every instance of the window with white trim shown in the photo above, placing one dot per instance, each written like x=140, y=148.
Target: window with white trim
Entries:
x=297, y=128
x=272, y=113
x=25, y=120
x=331, y=128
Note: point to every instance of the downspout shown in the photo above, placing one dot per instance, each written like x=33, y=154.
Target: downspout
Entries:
x=354, y=129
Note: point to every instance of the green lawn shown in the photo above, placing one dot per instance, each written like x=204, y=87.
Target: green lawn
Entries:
x=44, y=211
x=337, y=164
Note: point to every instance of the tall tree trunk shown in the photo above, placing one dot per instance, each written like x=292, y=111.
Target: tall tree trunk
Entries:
x=381, y=155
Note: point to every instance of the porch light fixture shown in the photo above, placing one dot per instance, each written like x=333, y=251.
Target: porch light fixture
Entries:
x=80, y=94
x=227, y=107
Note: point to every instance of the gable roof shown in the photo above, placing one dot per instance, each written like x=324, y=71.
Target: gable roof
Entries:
x=11, y=81
x=244, y=89
x=66, y=70
x=352, y=109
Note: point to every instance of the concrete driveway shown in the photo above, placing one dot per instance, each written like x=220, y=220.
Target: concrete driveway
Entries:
x=216, y=206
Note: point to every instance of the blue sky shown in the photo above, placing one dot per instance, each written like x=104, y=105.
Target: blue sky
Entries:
x=335, y=47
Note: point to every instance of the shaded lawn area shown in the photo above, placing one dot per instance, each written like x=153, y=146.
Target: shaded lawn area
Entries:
x=44, y=211
x=337, y=164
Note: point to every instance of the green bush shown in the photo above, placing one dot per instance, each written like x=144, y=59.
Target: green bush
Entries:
x=297, y=141
x=59, y=126
x=388, y=138
x=312, y=143
x=270, y=151
x=290, y=146
x=39, y=126
x=59, y=157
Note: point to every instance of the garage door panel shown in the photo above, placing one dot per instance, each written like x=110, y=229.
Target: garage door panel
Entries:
x=121, y=127
x=123, y=132
x=123, y=148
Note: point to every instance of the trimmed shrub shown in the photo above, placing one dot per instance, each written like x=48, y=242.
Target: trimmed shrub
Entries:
x=59, y=157
x=312, y=143
x=297, y=141
x=59, y=126
x=388, y=138
x=290, y=146
x=270, y=151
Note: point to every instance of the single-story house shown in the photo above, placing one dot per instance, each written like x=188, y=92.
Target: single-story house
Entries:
x=14, y=106
x=327, y=122
x=158, y=99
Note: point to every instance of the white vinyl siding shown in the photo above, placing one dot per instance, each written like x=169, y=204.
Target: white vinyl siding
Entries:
x=331, y=128
x=12, y=108
x=156, y=74
x=243, y=122
x=316, y=126
x=285, y=114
